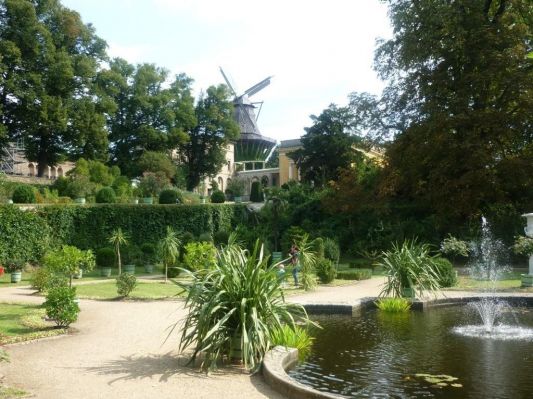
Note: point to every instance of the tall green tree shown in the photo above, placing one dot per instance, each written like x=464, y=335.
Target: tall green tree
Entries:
x=48, y=94
x=149, y=117
x=327, y=146
x=205, y=151
x=458, y=101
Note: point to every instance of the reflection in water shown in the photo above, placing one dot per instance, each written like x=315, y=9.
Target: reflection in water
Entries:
x=379, y=355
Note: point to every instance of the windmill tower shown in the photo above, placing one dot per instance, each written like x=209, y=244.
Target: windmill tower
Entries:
x=252, y=149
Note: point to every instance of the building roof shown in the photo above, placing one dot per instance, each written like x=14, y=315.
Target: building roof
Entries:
x=290, y=143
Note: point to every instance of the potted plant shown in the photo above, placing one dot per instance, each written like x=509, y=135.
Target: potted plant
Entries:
x=149, y=256
x=69, y=260
x=78, y=189
x=150, y=186
x=105, y=260
x=236, y=187
x=132, y=257
x=14, y=267
x=169, y=249
x=118, y=238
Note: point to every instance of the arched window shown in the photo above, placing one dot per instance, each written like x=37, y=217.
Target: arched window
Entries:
x=31, y=168
x=221, y=184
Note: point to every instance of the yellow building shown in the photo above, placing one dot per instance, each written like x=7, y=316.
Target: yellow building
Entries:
x=288, y=170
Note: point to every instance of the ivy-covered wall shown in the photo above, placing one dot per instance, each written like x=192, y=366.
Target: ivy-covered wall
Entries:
x=27, y=234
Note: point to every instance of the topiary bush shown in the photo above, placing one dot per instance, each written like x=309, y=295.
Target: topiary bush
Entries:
x=126, y=283
x=24, y=194
x=169, y=196
x=325, y=270
x=256, y=193
x=218, y=197
x=332, y=250
x=106, y=257
x=446, y=272
x=173, y=272
x=149, y=252
x=106, y=195
x=221, y=237
x=61, y=307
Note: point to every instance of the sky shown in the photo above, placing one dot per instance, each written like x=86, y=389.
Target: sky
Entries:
x=318, y=51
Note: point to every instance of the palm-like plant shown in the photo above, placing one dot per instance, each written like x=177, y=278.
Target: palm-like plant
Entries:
x=118, y=238
x=409, y=266
x=235, y=306
x=307, y=260
x=169, y=249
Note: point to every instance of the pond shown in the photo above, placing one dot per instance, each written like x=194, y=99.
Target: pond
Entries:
x=380, y=355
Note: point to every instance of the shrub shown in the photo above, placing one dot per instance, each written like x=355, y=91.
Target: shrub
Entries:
x=523, y=246
x=221, y=237
x=68, y=260
x=173, y=272
x=332, y=250
x=200, y=256
x=131, y=255
x=149, y=252
x=393, y=305
x=106, y=257
x=446, y=272
x=44, y=280
x=126, y=283
x=409, y=266
x=296, y=337
x=24, y=194
x=325, y=270
x=218, y=197
x=61, y=307
x=168, y=196
x=236, y=187
x=205, y=237
x=256, y=193
x=318, y=247
x=238, y=304
x=355, y=274
x=454, y=247
x=14, y=265
x=106, y=195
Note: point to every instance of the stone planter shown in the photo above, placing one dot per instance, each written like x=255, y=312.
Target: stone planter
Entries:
x=149, y=268
x=105, y=272
x=78, y=275
x=129, y=269
x=16, y=277
x=408, y=292
x=237, y=200
x=148, y=200
x=80, y=201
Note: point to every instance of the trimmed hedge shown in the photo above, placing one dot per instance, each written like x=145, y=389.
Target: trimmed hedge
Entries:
x=354, y=274
x=106, y=195
x=24, y=194
x=27, y=234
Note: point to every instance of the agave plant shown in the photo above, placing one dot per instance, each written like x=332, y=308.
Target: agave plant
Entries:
x=235, y=308
x=409, y=266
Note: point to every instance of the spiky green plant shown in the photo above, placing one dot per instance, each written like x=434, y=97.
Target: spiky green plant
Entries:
x=236, y=305
x=409, y=265
x=393, y=305
x=307, y=261
x=118, y=238
x=169, y=249
x=297, y=337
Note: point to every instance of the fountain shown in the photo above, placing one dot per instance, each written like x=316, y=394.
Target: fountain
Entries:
x=497, y=316
x=527, y=279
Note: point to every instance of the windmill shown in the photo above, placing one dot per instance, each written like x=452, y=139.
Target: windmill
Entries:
x=252, y=148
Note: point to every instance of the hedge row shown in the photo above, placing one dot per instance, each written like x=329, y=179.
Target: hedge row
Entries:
x=27, y=234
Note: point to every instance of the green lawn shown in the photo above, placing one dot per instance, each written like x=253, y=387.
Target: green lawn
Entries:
x=144, y=290
x=508, y=282
x=20, y=322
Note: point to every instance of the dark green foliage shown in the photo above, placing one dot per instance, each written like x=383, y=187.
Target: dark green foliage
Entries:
x=256, y=193
x=24, y=194
x=24, y=234
x=173, y=272
x=446, y=272
x=221, y=238
x=218, y=197
x=106, y=257
x=318, y=247
x=61, y=307
x=149, y=252
x=131, y=254
x=354, y=274
x=126, y=283
x=90, y=226
x=106, y=195
x=169, y=196
x=325, y=270
x=205, y=237
x=331, y=250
